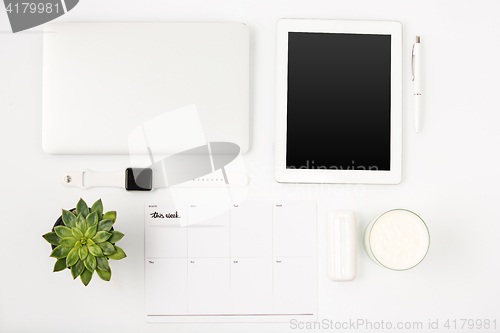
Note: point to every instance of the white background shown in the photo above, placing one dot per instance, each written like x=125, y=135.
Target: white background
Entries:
x=450, y=174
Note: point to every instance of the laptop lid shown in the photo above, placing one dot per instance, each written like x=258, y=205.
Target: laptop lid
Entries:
x=102, y=81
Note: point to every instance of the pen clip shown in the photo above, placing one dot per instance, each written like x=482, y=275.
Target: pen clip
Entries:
x=412, y=58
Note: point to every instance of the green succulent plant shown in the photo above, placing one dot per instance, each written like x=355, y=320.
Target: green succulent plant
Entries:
x=85, y=242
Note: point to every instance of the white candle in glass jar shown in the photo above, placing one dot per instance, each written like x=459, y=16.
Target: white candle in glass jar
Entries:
x=398, y=239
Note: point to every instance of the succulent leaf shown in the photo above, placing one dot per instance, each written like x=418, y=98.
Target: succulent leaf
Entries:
x=68, y=218
x=115, y=236
x=81, y=223
x=72, y=257
x=68, y=241
x=90, y=242
x=77, y=269
x=82, y=208
x=106, y=276
x=86, y=276
x=102, y=264
x=92, y=219
x=60, y=265
x=97, y=207
x=119, y=254
x=90, y=262
x=105, y=225
x=60, y=252
x=83, y=251
x=52, y=238
x=101, y=236
x=110, y=216
x=76, y=233
x=91, y=231
x=107, y=248
x=63, y=231
x=95, y=250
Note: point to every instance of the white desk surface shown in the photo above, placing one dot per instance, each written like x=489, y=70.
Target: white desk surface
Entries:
x=450, y=174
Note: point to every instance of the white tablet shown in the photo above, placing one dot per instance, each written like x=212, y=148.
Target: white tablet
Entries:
x=338, y=101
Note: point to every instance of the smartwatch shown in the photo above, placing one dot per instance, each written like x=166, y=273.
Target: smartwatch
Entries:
x=145, y=179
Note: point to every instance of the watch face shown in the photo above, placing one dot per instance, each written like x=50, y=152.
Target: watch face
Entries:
x=139, y=179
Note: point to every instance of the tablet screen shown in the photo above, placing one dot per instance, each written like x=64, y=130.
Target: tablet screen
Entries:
x=339, y=101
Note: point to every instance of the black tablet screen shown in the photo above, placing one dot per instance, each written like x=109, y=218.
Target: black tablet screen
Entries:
x=339, y=101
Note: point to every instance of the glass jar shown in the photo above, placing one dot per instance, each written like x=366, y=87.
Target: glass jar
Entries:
x=397, y=239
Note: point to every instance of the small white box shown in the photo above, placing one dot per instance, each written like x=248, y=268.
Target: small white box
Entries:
x=341, y=246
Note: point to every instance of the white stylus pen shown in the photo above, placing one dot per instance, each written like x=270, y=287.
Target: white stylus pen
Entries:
x=415, y=77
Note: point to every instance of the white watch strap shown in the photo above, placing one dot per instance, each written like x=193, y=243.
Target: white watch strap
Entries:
x=216, y=179
x=87, y=179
